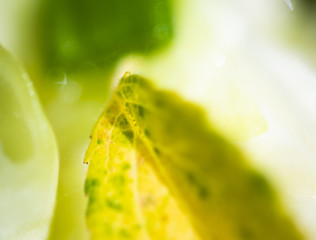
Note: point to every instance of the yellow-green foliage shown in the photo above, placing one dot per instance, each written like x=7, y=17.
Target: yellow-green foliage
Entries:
x=159, y=171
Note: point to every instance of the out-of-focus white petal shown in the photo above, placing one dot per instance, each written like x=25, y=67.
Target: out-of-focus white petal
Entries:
x=28, y=157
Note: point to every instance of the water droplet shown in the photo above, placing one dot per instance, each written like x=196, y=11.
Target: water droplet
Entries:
x=70, y=91
x=289, y=4
x=64, y=81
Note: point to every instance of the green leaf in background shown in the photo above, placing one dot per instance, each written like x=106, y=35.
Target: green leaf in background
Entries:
x=28, y=157
x=75, y=33
x=209, y=178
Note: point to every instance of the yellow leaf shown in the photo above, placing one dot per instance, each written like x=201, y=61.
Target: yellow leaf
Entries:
x=158, y=170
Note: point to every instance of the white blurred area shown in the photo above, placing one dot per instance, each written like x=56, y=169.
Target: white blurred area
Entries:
x=28, y=157
x=251, y=64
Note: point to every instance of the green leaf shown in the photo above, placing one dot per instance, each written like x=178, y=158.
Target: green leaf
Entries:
x=77, y=34
x=148, y=141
